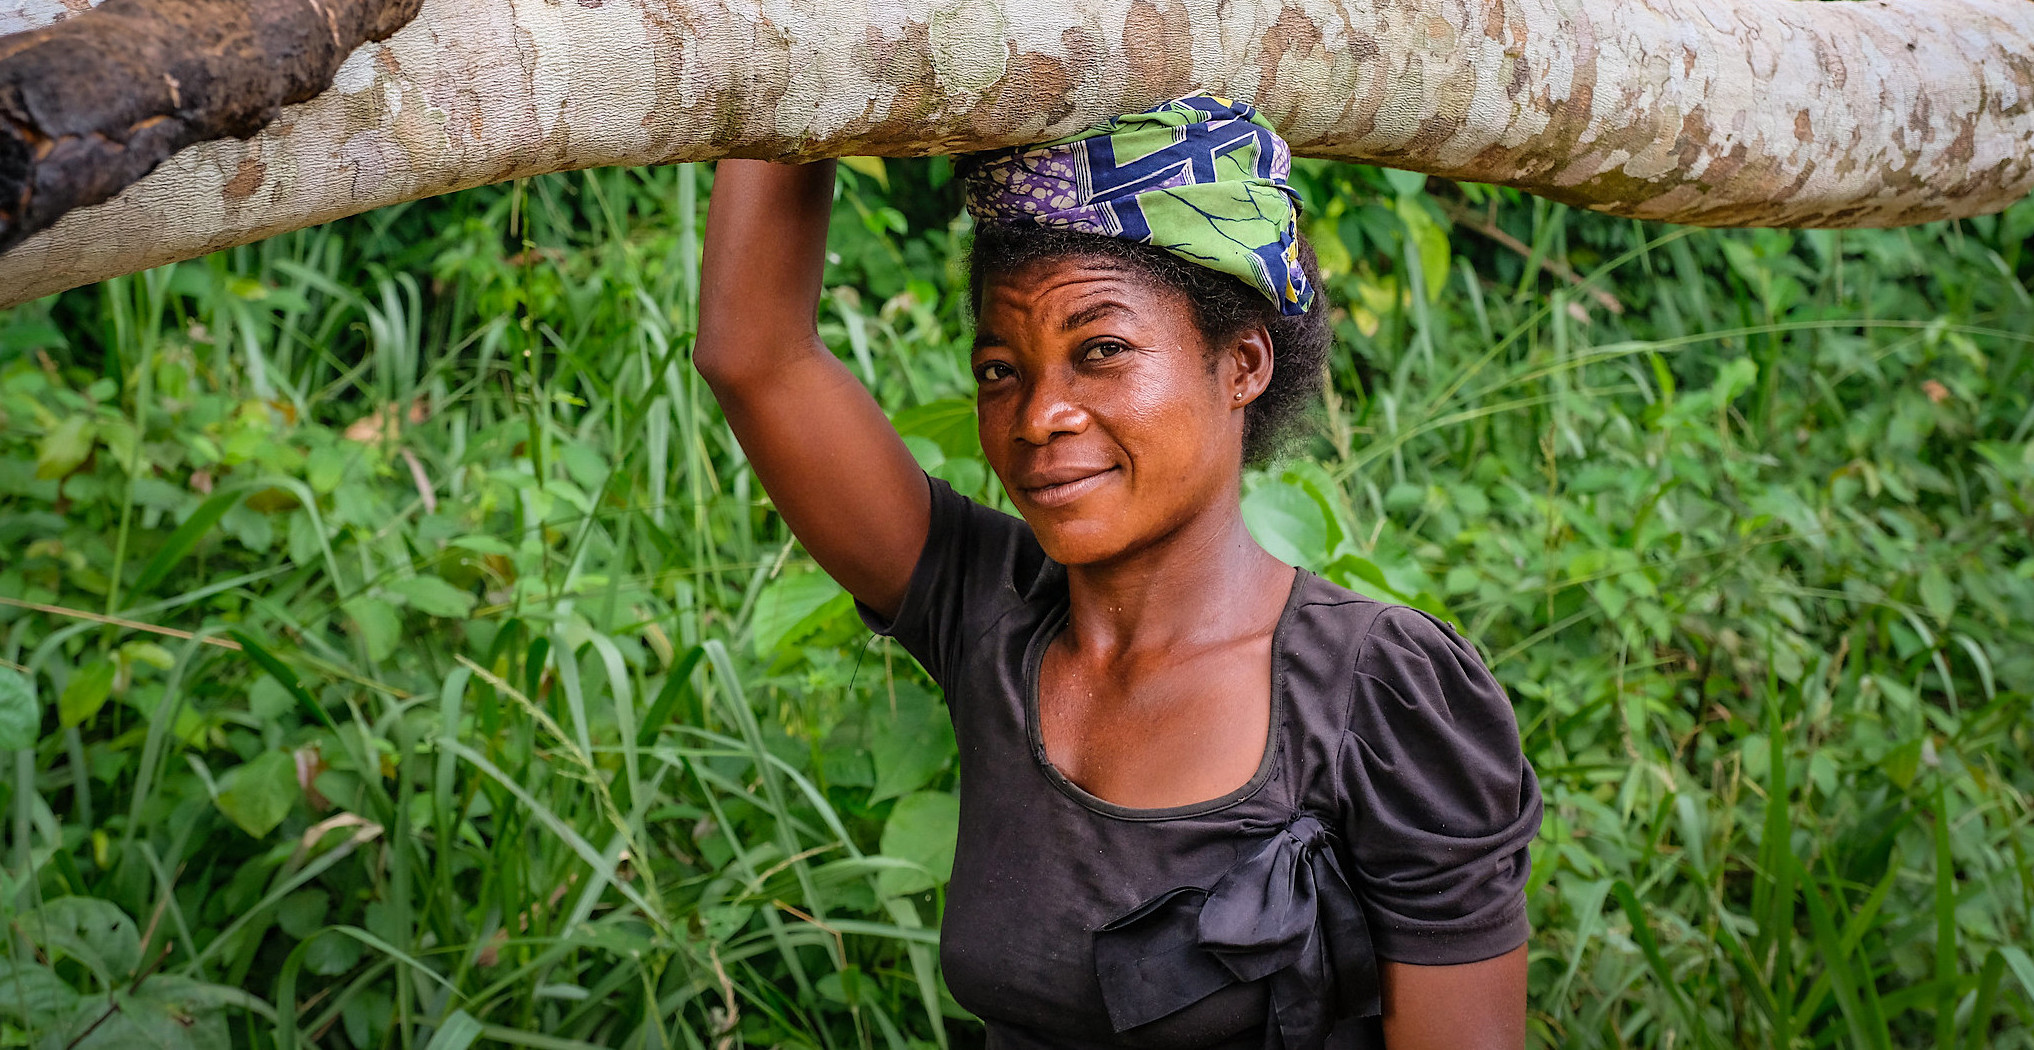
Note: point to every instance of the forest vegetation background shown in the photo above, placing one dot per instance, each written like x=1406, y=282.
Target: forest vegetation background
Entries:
x=398, y=653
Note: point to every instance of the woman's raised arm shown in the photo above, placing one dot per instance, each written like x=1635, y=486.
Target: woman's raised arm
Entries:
x=824, y=451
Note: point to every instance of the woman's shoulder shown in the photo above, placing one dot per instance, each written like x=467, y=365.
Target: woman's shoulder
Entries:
x=997, y=549
x=1387, y=664
x=1413, y=747
x=1322, y=606
x=980, y=571
x=1329, y=620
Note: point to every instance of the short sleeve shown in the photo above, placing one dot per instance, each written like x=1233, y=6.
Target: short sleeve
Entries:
x=1441, y=804
x=977, y=565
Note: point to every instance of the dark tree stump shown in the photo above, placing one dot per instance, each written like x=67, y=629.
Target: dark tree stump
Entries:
x=89, y=105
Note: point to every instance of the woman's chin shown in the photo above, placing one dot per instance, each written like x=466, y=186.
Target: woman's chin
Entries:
x=1083, y=537
x=1105, y=537
x=1082, y=550
x=1102, y=526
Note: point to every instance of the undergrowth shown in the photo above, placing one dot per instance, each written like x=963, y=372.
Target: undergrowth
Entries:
x=398, y=652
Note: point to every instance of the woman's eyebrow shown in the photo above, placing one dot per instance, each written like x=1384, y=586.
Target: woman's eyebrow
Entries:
x=987, y=340
x=1089, y=315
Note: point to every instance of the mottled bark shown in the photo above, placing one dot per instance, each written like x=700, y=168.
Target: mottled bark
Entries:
x=1726, y=112
x=91, y=104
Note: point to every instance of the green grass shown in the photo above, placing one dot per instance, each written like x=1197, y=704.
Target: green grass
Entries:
x=399, y=654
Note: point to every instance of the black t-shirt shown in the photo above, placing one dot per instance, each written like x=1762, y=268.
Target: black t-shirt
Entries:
x=1389, y=819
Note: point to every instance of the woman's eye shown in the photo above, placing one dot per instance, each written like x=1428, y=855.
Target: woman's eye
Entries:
x=1103, y=351
x=991, y=372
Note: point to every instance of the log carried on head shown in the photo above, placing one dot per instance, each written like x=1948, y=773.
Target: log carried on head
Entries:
x=1729, y=112
x=89, y=105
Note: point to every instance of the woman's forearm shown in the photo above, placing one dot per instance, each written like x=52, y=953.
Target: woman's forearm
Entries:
x=823, y=449
x=760, y=284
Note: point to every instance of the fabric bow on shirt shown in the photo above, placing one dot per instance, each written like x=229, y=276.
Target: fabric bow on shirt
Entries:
x=1284, y=913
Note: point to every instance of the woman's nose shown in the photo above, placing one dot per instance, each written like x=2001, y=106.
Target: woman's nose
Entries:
x=1046, y=411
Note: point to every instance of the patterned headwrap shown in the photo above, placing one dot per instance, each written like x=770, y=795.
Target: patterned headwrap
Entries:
x=1202, y=177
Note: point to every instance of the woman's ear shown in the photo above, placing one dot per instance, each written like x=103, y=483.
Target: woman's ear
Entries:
x=1251, y=360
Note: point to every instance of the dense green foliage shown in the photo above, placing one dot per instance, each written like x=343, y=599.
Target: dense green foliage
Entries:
x=398, y=653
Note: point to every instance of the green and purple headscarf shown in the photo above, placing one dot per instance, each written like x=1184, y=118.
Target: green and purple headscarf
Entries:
x=1201, y=177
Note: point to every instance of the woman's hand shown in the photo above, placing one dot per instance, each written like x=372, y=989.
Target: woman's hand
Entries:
x=823, y=449
x=1474, y=1006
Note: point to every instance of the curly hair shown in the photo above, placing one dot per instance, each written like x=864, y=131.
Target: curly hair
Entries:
x=1223, y=307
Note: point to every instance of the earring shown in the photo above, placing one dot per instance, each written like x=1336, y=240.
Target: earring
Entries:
x=1239, y=395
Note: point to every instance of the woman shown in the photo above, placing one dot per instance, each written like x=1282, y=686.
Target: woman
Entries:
x=1207, y=800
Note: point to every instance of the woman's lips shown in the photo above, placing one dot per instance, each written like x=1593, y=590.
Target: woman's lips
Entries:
x=1061, y=493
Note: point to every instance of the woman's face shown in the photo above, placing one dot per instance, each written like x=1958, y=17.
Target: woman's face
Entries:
x=1109, y=419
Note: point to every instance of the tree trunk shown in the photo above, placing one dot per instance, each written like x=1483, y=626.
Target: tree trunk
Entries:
x=89, y=105
x=1729, y=112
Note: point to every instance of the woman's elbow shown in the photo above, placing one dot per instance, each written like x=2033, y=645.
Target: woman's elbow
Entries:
x=725, y=363
x=713, y=359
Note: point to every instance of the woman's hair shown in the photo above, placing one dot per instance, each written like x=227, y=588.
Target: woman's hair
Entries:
x=1223, y=307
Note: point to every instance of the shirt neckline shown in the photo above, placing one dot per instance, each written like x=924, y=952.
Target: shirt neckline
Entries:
x=1274, y=735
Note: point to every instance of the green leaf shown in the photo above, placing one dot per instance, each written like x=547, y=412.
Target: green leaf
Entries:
x=1430, y=241
x=166, y=1012
x=1937, y=594
x=119, y=437
x=331, y=953
x=31, y=333
x=301, y=913
x=790, y=608
x=33, y=996
x=186, y=536
x=584, y=463
x=65, y=447
x=283, y=676
x=268, y=699
x=1350, y=570
x=1330, y=248
x=1642, y=932
x=247, y=288
x=96, y=933
x=1405, y=183
x=325, y=468
x=925, y=450
x=921, y=831
x=432, y=596
x=723, y=921
x=873, y=167
x=1310, y=478
x=1733, y=379
x=457, y=1033
x=20, y=713
x=251, y=527
x=2022, y=966
x=366, y=1016
x=1288, y=522
x=377, y=624
x=677, y=686
x=480, y=543
x=965, y=475
x=257, y=795
x=1902, y=763
x=949, y=423
x=85, y=693
x=910, y=744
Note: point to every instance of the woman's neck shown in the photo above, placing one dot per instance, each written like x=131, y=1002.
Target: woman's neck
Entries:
x=1208, y=581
